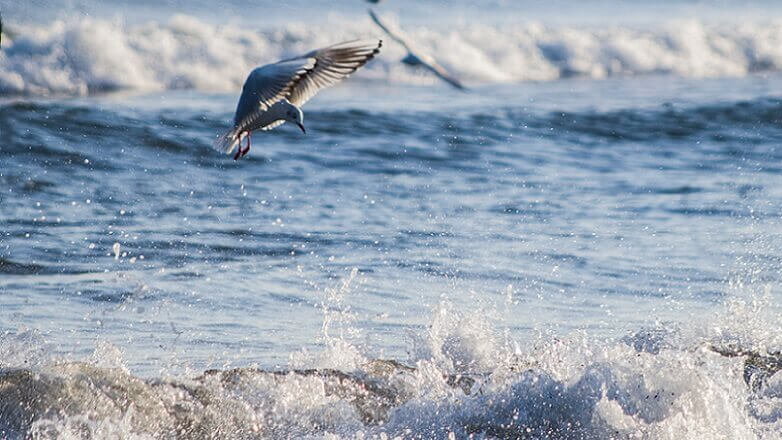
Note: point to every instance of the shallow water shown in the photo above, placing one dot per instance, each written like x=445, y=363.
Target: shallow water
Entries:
x=590, y=255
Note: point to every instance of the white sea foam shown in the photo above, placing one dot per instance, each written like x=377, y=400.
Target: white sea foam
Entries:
x=659, y=384
x=87, y=55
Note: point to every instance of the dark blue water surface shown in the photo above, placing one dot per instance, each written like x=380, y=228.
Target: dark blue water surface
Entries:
x=602, y=216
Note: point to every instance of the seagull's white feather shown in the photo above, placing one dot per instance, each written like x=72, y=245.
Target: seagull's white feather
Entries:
x=296, y=80
x=273, y=125
x=267, y=85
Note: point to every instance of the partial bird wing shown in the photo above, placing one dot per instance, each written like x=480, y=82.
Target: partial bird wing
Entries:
x=440, y=71
x=331, y=65
x=395, y=35
x=298, y=79
x=422, y=58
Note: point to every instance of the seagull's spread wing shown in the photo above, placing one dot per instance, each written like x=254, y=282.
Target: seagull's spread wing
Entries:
x=331, y=65
x=420, y=57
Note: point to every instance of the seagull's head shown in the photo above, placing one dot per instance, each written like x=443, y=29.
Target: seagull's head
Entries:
x=295, y=115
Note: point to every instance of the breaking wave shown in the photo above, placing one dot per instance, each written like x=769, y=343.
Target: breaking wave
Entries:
x=83, y=56
x=465, y=379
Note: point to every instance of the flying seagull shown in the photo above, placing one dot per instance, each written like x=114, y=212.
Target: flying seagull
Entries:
x=417, y=58
x=274, y=93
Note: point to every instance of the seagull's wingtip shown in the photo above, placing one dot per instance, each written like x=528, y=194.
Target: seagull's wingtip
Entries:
x=226, y=141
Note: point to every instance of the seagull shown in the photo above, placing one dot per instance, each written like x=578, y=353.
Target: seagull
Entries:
x=417, y=58
x=274, y=93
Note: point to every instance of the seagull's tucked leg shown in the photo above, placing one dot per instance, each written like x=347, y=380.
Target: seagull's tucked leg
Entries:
x=247, y=150
x=239, y=147
x=238, y=151
x=241, y=152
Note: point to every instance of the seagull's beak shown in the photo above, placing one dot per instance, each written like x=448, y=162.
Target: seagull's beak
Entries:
x=302, y=127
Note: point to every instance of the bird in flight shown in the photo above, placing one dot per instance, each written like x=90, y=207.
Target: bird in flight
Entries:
x=274, y=93
x=416, y=57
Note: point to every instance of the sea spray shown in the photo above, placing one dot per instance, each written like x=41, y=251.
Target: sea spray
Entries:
x=577, y=387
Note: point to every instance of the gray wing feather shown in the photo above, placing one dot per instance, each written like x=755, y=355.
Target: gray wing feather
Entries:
x=333, y=64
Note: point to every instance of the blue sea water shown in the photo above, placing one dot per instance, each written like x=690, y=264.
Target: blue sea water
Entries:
x=583, y=245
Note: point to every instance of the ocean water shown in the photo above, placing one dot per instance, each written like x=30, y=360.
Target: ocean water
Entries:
x=584, y=245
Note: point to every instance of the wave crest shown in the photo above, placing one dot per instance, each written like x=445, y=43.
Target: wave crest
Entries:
x=89, y=55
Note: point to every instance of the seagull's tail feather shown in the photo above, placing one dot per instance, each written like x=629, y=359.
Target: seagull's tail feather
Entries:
x=227, y=141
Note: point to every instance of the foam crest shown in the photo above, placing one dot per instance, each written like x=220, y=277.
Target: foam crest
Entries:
x=88, y=55
x=24, y=348
x=459, y=342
